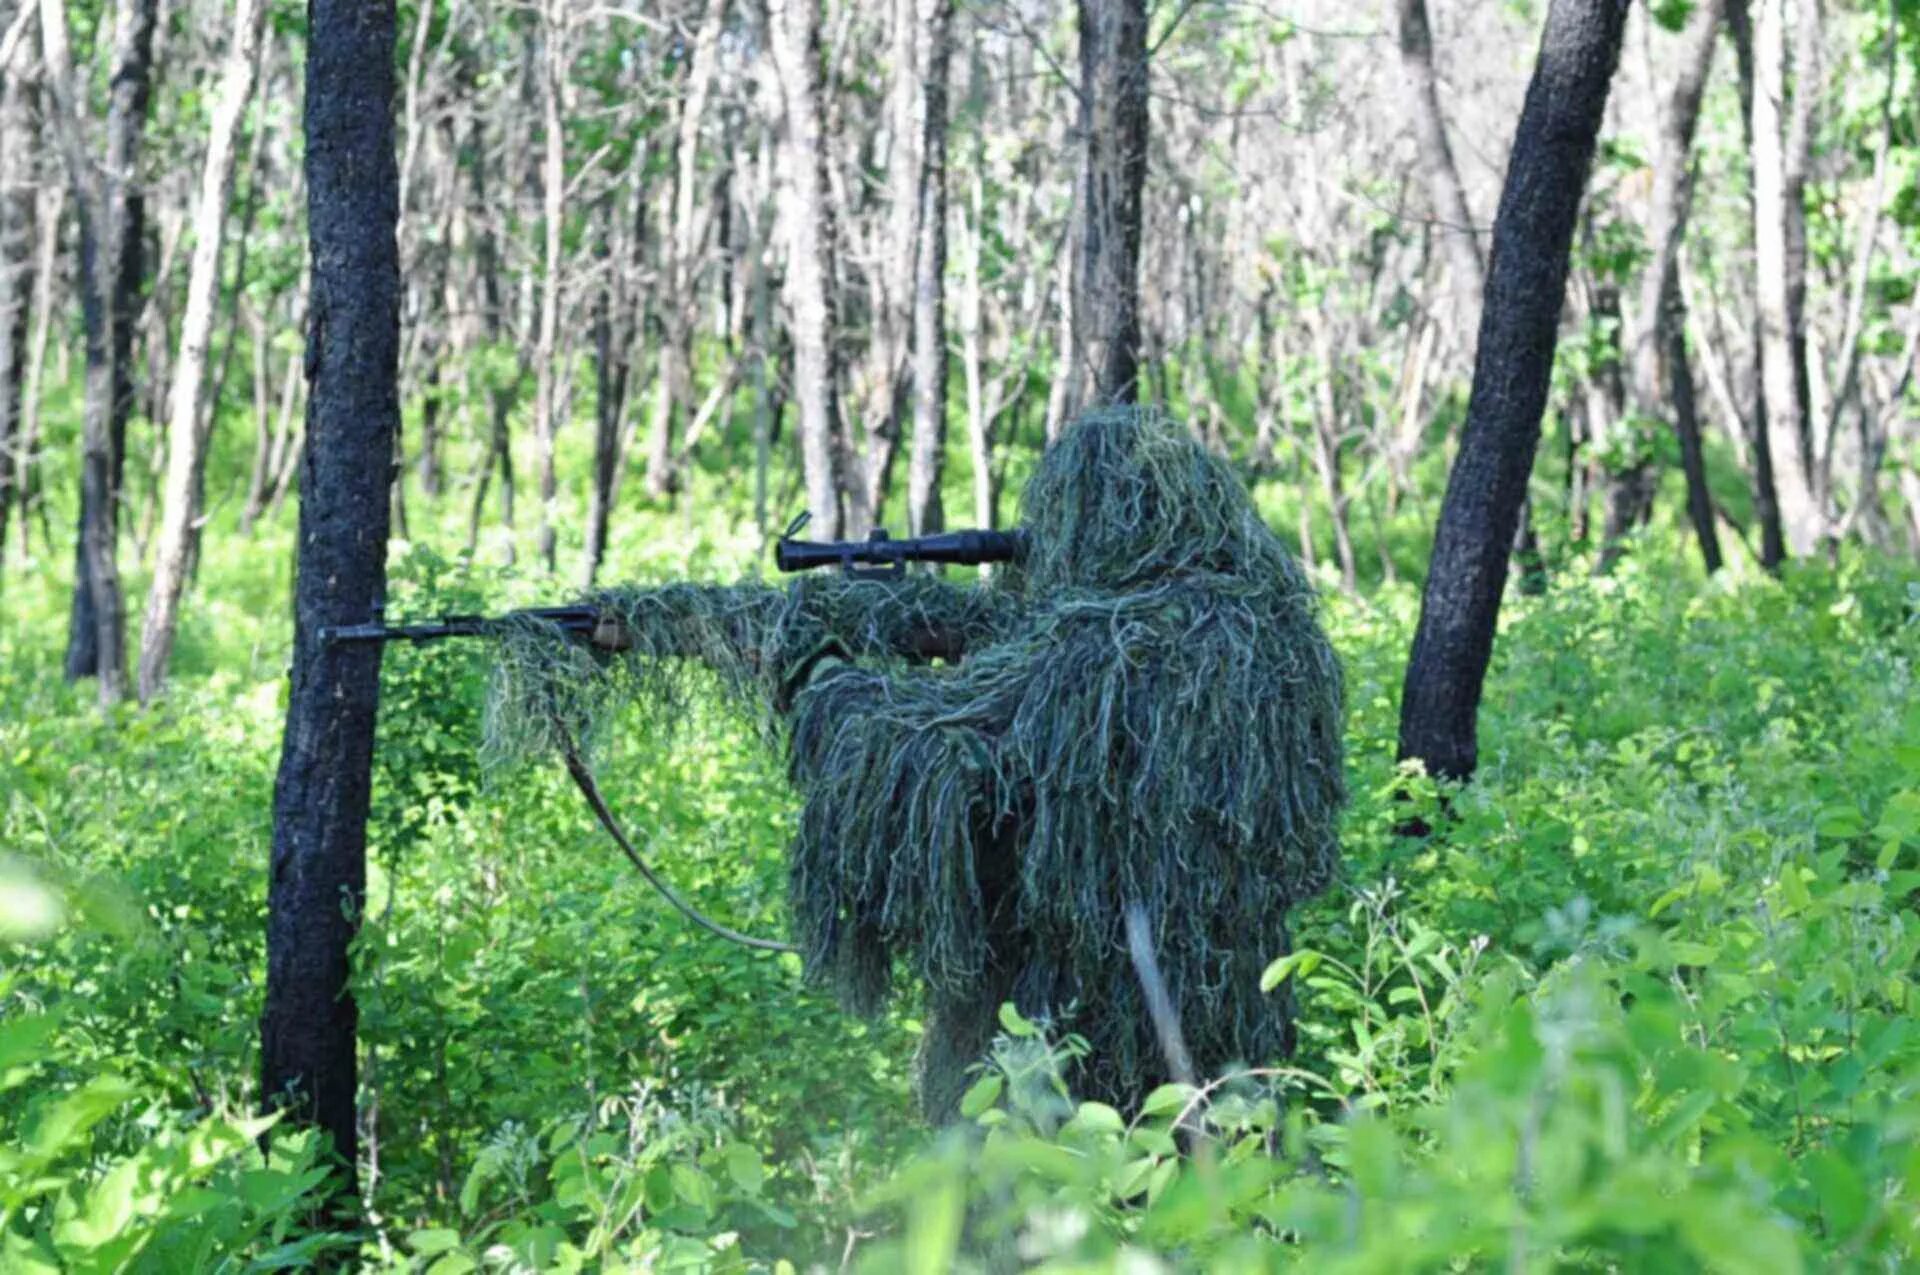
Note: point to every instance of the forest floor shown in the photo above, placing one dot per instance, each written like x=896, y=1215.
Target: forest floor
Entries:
x=1643, y=1000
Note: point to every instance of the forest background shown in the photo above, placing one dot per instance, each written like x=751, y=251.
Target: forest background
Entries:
x=1646, y=998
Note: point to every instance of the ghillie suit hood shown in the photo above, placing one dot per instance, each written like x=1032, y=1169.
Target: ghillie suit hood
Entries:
x=1144, y=710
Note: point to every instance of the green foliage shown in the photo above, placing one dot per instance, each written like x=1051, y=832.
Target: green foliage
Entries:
x=1642, y=1003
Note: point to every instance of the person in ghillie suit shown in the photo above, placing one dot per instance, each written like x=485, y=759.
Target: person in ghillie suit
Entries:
x=1142, y=713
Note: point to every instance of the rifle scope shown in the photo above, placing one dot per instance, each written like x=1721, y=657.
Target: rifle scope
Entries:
x=887, y=556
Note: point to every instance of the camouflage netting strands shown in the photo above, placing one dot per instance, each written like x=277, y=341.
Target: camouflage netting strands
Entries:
x=1144, y=710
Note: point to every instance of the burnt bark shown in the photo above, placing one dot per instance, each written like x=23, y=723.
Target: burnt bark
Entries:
x=1113, y=167
x=1519, y=326
x=318, y=878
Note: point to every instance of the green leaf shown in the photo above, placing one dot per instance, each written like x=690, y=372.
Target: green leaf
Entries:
x=1014, y=1024
x=437, y=1239
x=67, y=1121
x=1842, y=1191
x=1301, y=963
x=745, y=1168
x=1098, y=1117
x=933, y=1227
x=1166, y=1099
x=981, y=1095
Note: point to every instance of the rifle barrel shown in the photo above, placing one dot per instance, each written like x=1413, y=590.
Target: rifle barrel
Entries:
x=572, y=619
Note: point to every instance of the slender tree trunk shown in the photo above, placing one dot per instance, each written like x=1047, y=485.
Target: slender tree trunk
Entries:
x=499, y=396
x=884, y=403
x=112, y=221
x=808, y=220
x=612, y=347
x=1662, y=377
x=553, y=182
x=1519, y=325
x=680, y=251
x=1767, y=499
x=16, y=277
x=256, y=497
x=1113, y=168
x=1061, y=395
x=1445, y=192
x=973, y=355
x=317, y=885
x=1797, y=152
x=1326, y=449
x=257, y=178
x=26, y=490
x=189, y=426
x=1779, y=258
x=925, y=512
x=284, y=442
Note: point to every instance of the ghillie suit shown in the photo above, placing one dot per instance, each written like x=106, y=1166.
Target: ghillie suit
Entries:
x=1144, y=710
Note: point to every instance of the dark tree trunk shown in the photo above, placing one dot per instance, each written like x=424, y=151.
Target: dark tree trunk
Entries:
x=1113, y=169
x=925, y=512
x=1519, y=325
x=318, y=878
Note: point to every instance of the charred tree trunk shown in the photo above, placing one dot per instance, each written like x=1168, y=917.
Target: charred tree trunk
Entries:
x=189, y=421
x=318, y=878
x=1113, y=167
x=808, y=220
x=1519, y=325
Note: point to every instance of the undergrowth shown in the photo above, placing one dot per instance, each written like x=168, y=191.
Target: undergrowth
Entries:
x=1643, y=1001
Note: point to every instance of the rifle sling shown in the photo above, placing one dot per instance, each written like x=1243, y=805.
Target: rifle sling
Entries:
x=584, y=780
